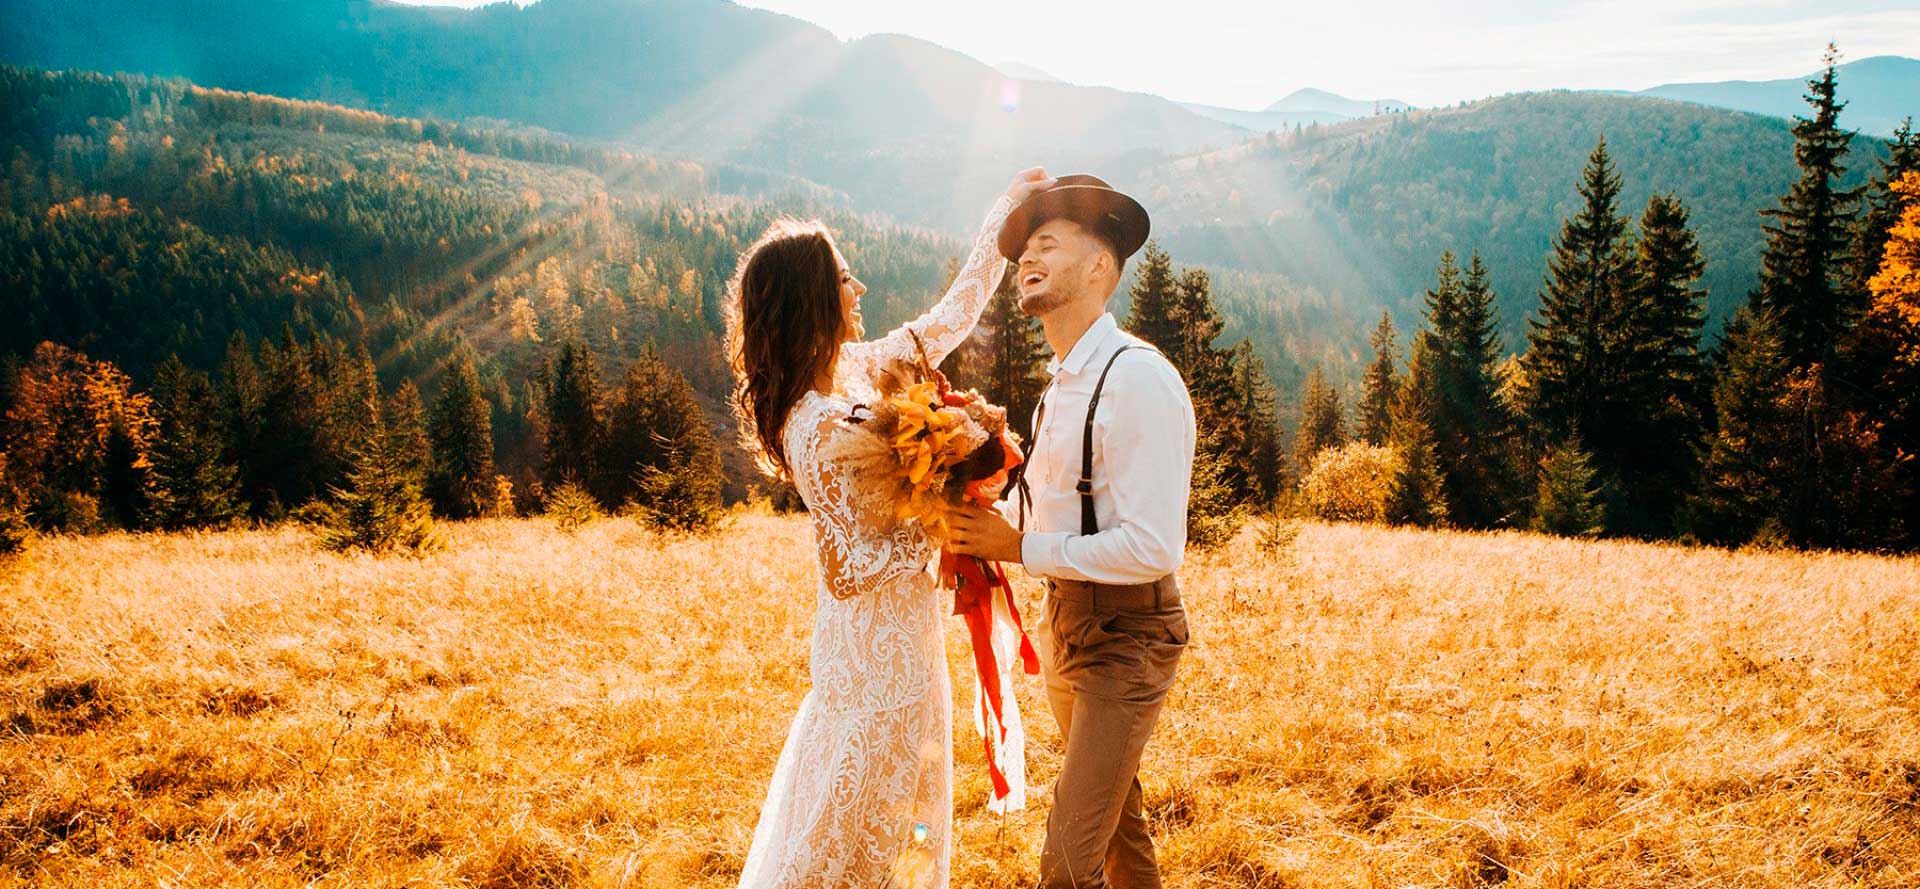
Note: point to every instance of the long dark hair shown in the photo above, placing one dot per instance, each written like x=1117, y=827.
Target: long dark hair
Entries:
x=784, y=325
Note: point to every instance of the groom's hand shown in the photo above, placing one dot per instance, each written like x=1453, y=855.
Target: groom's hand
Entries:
x=983, y=533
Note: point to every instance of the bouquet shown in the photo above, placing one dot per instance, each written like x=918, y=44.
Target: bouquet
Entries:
x=932, y=449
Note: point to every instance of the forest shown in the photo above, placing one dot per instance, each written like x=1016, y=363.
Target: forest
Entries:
x=231, y=307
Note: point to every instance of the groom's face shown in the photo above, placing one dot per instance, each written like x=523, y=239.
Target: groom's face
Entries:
x=1061, y=264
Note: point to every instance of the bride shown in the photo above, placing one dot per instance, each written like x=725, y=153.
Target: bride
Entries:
x=862, y=795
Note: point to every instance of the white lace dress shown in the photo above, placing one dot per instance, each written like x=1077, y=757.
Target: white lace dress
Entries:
x=863, y=795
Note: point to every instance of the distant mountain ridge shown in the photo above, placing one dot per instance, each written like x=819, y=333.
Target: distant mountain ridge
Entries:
x=1880, y=92
x=892, y=120
x=1310, y=99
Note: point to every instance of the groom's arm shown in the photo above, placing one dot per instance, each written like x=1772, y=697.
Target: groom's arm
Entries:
x=1144, y=461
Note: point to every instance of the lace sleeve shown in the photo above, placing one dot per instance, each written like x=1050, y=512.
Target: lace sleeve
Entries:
x=945, y=326
x=844, y=478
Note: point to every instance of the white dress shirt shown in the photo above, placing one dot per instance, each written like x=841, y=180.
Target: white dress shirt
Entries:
x=1143, y=439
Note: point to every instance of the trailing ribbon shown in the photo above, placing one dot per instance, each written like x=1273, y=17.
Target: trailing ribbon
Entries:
x=978, y=587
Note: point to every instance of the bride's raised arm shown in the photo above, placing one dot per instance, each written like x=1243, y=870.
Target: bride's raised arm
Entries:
x=945, y=326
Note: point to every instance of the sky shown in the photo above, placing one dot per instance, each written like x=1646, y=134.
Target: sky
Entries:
x=1249, y=53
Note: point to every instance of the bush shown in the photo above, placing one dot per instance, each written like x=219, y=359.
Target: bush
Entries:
x=571, y=507
x=1350, y=483
x=1568, y=501
x=15, y=533
x=1213, y=515
x=382, y=509
x=680, y=499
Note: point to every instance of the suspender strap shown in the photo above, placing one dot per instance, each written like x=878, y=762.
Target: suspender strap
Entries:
x=1088, y=525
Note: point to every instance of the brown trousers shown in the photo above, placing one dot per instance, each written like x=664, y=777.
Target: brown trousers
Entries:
x=1108, y=654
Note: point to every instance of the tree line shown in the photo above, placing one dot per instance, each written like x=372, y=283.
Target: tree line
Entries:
x=1797, y=426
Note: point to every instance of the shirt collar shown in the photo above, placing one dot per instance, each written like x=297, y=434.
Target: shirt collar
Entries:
x=1089, y=344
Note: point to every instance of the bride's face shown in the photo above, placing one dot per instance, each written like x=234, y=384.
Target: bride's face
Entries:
x=851, y=327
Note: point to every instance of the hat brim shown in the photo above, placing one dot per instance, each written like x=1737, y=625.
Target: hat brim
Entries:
x=1115, y=214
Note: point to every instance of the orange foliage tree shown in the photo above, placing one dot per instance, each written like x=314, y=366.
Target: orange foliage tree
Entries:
x=1896, y=289
x=77, y=439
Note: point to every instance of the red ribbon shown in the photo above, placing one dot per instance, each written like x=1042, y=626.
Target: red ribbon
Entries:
x=975, y=582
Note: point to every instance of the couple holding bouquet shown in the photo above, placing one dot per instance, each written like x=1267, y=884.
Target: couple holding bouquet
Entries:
x=899, y=471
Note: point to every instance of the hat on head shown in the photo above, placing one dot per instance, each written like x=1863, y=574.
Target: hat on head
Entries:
x=1088, y=200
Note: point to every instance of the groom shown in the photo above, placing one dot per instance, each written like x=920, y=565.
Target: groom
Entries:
x=1100, y=516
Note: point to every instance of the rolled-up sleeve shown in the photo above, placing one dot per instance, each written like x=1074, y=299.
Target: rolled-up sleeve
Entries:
x=1143, y=445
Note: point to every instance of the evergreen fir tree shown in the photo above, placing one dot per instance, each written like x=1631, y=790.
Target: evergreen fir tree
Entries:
x=1469, y=422
x=292, y=459
x=1321, y=424
x=1568, y=503
x=1382, y=381
x=1661, y=372
x=1802, y=276
x=382, y=508
x=1154, y=313
x=1580, y=342
x=1745, y=474
x=571, y=416
x=1571, y=345
x=1255, y=453
x=660, y=451
x=1882, y=206
x=194, y=483
x=242, y=408
x=406, y=424
x=1415, y=493
x=461, y=481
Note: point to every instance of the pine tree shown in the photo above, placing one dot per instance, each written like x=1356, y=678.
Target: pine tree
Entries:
x=1320, y=420
x=406, y=424
x=1255, y=453
x=242, y=406
x=292, y=460
x=1154, y=313
x=382, y=508
x=1883, y=205
x=194, y=483
x=1382, y=381
x=1469, y=422
x=1579, y=343
x=1661, y=371
x=1801, y=269
x=1570, y=344
x=660, y=451
x=461, y=481
x=571, y=406
x=1745, y=475
x=1568, y=503
x=1416, y=491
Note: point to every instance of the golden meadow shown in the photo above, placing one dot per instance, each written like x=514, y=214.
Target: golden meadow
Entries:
x=1360, y=707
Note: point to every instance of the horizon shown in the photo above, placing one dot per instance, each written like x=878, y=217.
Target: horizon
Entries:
x=1641, y=44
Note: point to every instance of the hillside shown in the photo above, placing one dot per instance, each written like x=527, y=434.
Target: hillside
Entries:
x=1359, y=707
x=1881, y=92
x=1366, y=207
x=898, y=123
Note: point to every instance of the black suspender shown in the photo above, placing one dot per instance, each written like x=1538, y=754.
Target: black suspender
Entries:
x=1088, y=524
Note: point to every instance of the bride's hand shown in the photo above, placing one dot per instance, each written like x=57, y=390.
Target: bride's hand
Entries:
x=1027, y=183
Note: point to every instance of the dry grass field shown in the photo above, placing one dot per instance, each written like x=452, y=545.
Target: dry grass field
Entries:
x=1360, y=707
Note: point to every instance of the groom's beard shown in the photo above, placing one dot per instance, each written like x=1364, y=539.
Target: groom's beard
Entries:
x=1041, y=303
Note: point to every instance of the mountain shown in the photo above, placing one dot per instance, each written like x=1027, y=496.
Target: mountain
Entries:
x=894, y=122
x=1023, y=71
x=1264, y=121
x=1317, y=100
x=1880, y=92
x=1360, y=211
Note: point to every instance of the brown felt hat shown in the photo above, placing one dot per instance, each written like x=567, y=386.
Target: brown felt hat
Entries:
x=1088, y=200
